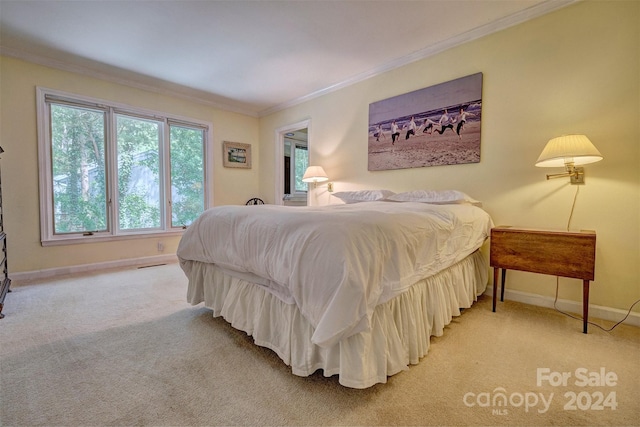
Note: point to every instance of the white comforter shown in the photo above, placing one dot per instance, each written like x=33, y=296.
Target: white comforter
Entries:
x=336, y=263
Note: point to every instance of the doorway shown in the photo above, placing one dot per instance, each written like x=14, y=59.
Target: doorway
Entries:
x=292, y=159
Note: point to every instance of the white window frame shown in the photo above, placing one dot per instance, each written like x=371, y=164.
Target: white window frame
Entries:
x=47, y=236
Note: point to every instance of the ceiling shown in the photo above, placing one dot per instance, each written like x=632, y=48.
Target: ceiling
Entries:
x=253, y=57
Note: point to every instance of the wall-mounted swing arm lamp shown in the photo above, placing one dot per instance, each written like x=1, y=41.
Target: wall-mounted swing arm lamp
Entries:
x=569, y=151
x=316, y=174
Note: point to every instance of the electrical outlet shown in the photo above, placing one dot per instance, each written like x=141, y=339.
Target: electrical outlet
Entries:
x=160, y=246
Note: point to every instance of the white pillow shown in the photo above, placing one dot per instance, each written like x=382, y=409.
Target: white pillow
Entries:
x=436, y=197
x=363, y=195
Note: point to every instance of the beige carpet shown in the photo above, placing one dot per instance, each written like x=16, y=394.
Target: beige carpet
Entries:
x=124, y=348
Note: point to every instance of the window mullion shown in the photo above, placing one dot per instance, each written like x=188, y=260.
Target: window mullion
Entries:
x=112, y=174
x=165, y=175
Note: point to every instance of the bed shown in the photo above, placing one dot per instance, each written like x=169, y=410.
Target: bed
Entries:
x=354, y=289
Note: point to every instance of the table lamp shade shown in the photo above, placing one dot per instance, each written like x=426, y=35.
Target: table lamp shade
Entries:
x=315, y=174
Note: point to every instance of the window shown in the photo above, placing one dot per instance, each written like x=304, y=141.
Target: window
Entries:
x=300, y=163
x=296, y=163
x=111, y=171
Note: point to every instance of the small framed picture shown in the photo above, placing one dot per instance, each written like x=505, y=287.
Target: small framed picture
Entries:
x=236, y=155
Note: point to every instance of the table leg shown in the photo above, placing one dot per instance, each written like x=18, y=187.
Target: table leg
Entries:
x=504, y=277
x=495, y=287
x=585, y=305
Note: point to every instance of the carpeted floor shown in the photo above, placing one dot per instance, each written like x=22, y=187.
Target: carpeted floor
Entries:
x=124, y=348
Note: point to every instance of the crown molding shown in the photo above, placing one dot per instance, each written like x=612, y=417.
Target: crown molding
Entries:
x=151, y=84
x=139, y=81
x=490, y=28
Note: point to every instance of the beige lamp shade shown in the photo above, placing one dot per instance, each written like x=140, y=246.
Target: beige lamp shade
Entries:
x=315, y=174
x=576, y=149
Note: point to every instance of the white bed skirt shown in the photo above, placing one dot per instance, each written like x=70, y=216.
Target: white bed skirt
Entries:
x=400, y=333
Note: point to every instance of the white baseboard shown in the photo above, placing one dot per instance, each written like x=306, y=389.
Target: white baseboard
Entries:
x=595, y=311
x=27, y=276
x=601, y=312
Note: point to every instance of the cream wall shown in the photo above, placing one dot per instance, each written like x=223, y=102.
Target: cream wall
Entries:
x=575, y=70
x=18, y=137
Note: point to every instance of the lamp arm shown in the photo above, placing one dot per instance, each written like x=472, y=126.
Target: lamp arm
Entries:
x=561, y=175
x=576, y=174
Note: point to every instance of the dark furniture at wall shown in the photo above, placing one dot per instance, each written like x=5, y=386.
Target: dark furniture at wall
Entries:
x=5, y=282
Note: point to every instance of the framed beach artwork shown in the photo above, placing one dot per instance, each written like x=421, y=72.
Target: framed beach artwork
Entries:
x=437, y=125
x=236, y=155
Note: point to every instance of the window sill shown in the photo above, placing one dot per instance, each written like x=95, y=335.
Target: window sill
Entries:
x=78, y=240
x=296, y=197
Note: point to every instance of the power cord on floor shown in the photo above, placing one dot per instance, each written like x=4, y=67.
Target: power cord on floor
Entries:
x=575, y=197
x=589, y=322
